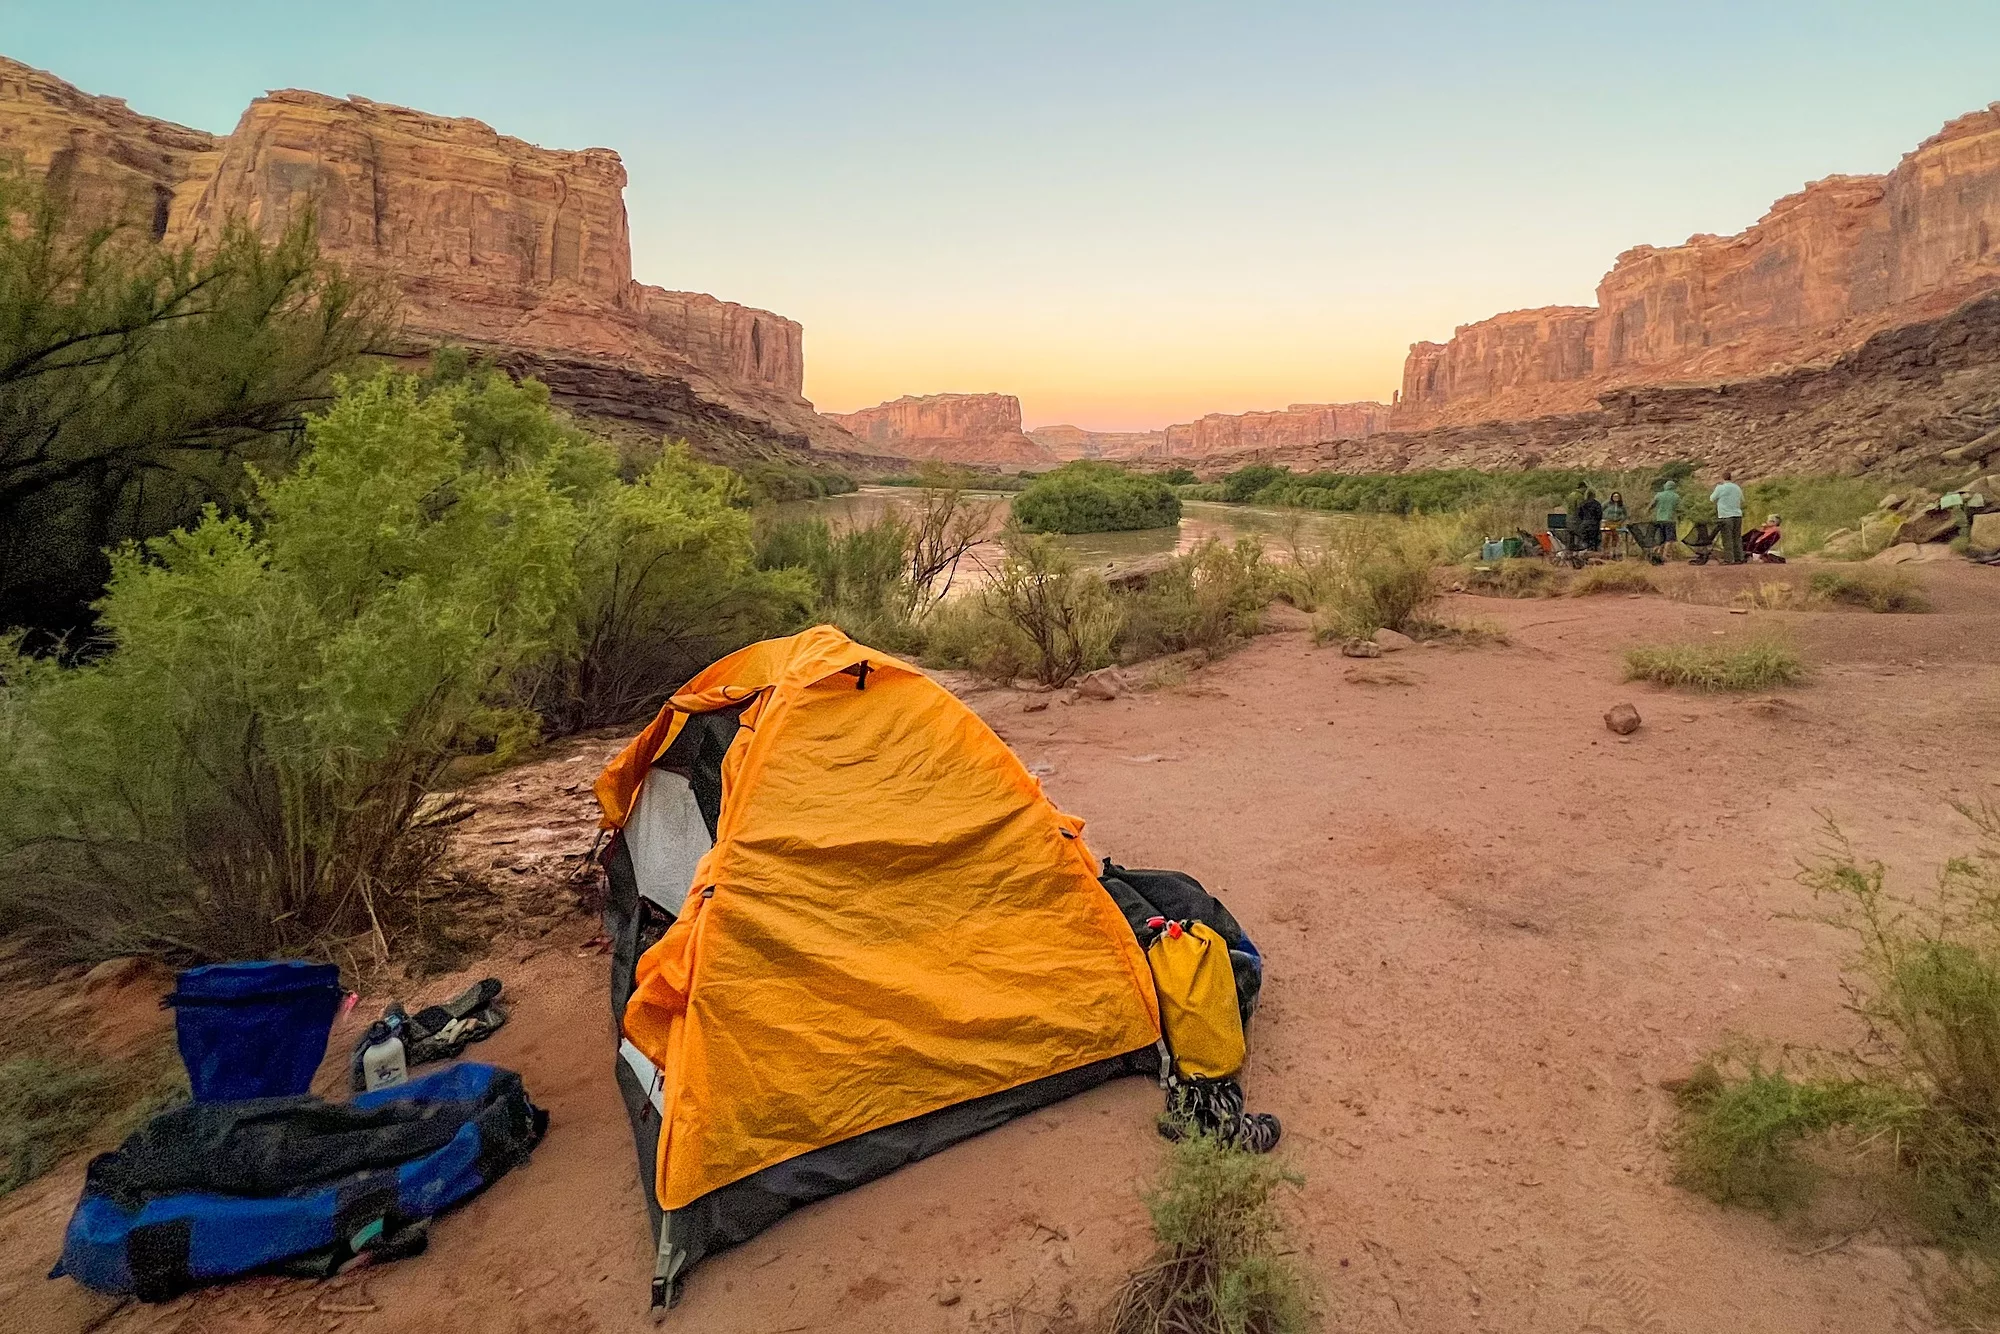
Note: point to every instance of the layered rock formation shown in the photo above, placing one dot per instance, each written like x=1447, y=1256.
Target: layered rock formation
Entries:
x=1194, y=442
x=1915, y=399
x=1074, y=442
x=957, y=428
x=487, y=240
x=1825, y=269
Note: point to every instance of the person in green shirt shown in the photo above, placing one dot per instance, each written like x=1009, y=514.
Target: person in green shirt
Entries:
x=1728, y=498
x=1666, y=509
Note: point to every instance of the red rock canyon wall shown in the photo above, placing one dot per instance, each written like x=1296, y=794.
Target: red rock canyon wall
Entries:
x=957, y=428
x=1825, y=269
x=485, y=238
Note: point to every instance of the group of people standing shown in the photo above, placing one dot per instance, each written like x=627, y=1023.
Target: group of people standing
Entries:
x=1601, y=522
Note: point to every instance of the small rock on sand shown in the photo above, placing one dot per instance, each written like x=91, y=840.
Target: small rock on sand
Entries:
x=1393, y=641
x=1360, y=648
x=1104, y=683
x=1622, y=719
x=1036, y=705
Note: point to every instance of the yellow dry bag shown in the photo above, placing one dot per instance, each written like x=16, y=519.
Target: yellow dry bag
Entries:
x=1191, y=971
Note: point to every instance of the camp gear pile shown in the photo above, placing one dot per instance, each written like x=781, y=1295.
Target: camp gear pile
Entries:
x=214, y=1190
x=848, y=931
x=434, y=1033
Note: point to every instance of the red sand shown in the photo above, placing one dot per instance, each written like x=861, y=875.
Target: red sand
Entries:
x=1493, y=928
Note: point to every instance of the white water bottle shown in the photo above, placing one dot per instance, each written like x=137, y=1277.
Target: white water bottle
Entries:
x=383, y=1064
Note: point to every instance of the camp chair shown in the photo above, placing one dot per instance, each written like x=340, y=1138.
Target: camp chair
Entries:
x=1570, y=548
x=1651, y=537
x=1534, y=544
x=1702, y=541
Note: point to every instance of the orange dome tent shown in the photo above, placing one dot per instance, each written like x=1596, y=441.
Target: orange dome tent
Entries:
x=848, y=931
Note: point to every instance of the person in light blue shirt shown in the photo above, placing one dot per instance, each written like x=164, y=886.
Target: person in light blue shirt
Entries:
x=1728, y=498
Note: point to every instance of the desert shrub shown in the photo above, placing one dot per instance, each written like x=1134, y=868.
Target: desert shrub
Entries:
x=1056, y=619
x=1206, y=599
x=1877, y=590
x=139, y=381
x=881, y=581
x=1924, y=976
x=245, y=772
x=1524, y=577
x=1222, y=1262
x=1755, y=666
x=1614, y=578
x=1086, y=497
x=667, y=581
x=1199, y=490
x=1176, y=476
x=1742, y=1127
x=1373, y=576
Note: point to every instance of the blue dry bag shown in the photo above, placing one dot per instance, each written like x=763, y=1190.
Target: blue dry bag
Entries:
x=254, y=1030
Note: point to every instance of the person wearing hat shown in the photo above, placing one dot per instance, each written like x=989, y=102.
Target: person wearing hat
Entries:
x=1763, y=543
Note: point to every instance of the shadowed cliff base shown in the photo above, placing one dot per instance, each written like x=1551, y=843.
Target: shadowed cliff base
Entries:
x=1910, y=399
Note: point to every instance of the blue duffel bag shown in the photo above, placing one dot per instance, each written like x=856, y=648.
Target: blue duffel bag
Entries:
x=212, y=1191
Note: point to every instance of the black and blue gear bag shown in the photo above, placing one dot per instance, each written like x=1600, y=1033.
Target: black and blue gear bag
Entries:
x=213, y=1191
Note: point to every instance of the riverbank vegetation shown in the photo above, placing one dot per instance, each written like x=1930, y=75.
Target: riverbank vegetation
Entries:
x=139, y=383
x=1087, y=497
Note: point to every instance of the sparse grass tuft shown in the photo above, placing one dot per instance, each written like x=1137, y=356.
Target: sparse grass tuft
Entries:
x=1742, y=1127
x=1877, y=590
x=1521, y=578
x=1222, y=1265
x=1616, y=578
x=1756, y=666
x=52, y=1103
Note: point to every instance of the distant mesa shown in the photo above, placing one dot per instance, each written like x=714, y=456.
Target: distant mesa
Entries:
x=516, y=250
x=983, y=429
x=1298, y=426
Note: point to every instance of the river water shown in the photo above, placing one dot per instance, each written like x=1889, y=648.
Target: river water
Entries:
x=1200, y=519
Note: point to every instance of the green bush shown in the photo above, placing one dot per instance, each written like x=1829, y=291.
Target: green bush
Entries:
x=1176, y=476
x=1087, y=497
x=1755, y=666
x=768, y=481
x=668, y=580
x=139, y=382
x=53, y=1099
x=1248, y=482
x=1223, y=1260
x=246, y=771
x=1205, y=599
x=858, y=577
x=1371, y=576
x=1924, y=976
x=1043, y=617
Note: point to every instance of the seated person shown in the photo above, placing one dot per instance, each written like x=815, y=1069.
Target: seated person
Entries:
x=1761, y=543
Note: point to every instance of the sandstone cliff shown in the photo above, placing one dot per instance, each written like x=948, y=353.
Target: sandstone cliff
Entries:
x=958, y=428
x=1824, y=270
x=1914, y=399
x=1194, y=442
x=490, y=241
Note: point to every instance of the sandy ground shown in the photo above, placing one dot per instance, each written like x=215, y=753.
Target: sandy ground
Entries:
x=1493, y=929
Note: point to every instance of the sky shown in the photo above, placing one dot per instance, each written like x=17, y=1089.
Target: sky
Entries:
x=1127, y=214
